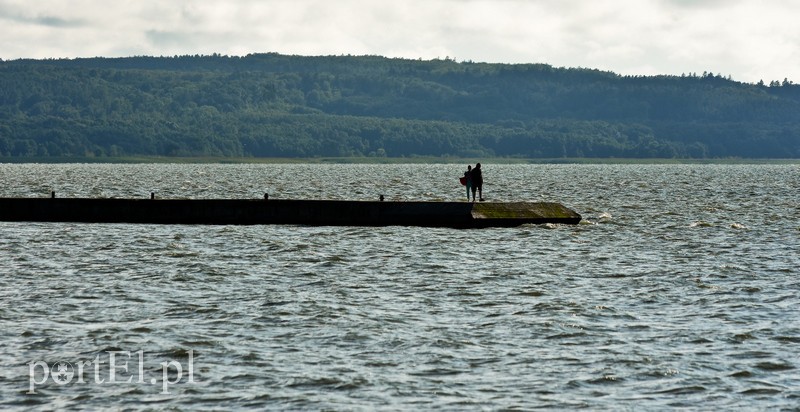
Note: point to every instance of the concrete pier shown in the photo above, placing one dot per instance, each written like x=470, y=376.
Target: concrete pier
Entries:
x=288, y=212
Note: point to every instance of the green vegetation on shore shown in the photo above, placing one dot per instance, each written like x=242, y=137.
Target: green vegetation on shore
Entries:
x=386, y=160
x=377, y=109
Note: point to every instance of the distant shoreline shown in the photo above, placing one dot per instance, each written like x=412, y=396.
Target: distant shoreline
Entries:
x=385, y=160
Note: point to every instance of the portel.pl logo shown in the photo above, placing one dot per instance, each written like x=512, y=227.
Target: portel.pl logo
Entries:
x=113, y=370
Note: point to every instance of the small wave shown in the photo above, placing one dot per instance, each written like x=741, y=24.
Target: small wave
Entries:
x=605, y=379
x=738, y=226
x=741, y=374
x=329, y=382
x=701, y=223
x=761, y=391
x=534, y=293
x=750, y=289
x=178, y=250
x=108, y=349
x=178, y=353
x=565, y=336
x=772, y=366
x=741, y=337
x=788, y=339
x=141, y=329
x=436, y=371
x=683, y=390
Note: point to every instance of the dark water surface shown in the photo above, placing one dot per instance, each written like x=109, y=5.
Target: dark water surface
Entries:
x=680, y=289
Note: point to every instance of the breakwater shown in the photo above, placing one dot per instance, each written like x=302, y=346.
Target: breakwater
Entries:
x=285, y=211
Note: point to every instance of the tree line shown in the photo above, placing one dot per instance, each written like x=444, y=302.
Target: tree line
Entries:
x=272, y=105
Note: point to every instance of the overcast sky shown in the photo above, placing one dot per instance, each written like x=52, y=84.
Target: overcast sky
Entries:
x=749, y=40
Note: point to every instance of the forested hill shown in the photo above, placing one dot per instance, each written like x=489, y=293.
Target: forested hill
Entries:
x=271, y=105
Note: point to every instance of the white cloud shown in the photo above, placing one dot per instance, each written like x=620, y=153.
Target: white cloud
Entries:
x=745, y=39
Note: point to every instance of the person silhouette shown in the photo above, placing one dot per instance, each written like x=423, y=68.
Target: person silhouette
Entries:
x=477, y=182
x=468, y=180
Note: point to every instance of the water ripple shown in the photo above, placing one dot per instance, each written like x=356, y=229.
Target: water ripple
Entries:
x=678, y=291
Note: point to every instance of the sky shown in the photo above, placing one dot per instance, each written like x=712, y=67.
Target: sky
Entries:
x=748, y=40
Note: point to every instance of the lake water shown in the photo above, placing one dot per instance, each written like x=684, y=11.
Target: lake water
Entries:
x=679, y=289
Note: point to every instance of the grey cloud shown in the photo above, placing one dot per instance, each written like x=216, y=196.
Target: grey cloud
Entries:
x=625, y=36
x=18, y=15
x=58, y=22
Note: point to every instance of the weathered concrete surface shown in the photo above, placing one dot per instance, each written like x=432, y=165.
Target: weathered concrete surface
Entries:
x=299, y=212
x=518, y=213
